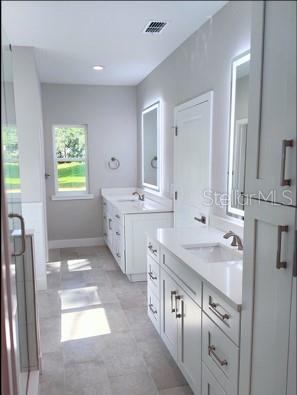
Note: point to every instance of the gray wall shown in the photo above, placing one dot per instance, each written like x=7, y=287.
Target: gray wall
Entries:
x=201, y=63
x=110, y=114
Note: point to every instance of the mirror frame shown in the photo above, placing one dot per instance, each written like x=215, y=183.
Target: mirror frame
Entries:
x=237, y=61
x=145, y=111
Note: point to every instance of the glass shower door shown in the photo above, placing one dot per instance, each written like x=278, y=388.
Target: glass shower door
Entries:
x=12, y=188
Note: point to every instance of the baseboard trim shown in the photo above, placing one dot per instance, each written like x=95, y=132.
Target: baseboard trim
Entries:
x=93, y=241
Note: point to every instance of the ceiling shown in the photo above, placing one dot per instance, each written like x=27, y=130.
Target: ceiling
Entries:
x=71, y=36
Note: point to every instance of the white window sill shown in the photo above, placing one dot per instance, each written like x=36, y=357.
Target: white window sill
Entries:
x=73, y=197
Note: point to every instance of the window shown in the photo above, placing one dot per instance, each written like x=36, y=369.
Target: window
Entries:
x=11, y=159
x=70, y=156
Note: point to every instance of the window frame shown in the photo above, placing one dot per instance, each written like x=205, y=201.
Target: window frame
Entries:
x=77, y=193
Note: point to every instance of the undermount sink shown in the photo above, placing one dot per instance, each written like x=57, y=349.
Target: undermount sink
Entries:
x=213, y=253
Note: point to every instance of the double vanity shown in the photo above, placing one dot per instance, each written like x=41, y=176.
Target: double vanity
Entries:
x=128, y=215
x=194, y=289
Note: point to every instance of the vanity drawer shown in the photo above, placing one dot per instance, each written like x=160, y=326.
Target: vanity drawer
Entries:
x=153, y=275
x=153, y=249
x=153, y=308
x=225, y=316
x=220, y=355
x=184, y=275
x=210, y=385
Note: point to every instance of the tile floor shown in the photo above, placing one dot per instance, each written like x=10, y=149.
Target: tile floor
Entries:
x=96, y=338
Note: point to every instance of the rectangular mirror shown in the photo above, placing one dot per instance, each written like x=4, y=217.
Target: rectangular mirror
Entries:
x=151, y=147
x=238, y=134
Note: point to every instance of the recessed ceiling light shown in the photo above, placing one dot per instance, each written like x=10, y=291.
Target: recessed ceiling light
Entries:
x=98, y=67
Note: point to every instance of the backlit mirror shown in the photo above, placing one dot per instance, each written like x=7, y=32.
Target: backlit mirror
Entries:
x=238, y=134
x=151, y=147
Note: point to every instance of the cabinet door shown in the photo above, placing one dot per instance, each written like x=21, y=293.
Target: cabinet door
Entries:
x=189, y=340
x=168, y=313
x=269, y=235
x=109, y=231
x=271, y=137
x=105, y=226
x=118, y=245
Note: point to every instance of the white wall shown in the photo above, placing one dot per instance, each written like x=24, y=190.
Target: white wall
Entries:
x=201, y=63
x=110, y=114
x=30, y=132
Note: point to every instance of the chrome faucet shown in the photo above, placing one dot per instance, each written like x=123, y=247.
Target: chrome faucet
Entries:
x=140, y=197
x=236, y=242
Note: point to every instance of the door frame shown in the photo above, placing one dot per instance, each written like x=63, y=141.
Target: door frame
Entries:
x=204, y=97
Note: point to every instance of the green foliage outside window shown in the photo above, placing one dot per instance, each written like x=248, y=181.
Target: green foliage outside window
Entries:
x=70, y=143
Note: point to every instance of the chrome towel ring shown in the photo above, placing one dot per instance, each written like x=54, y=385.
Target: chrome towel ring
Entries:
x=154, y=162
x=113, y=163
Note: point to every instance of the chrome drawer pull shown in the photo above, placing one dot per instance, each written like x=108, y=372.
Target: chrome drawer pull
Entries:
x=151, y=308
x=213, y=307
x=177, y=314
x=211, y=351
x=150, y=247
x=279, y=263
x=172, y=293
x=285, y=144
x=151, y=276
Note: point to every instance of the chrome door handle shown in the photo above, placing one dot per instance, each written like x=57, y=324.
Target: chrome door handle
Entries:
x=214, y=308
x=285, y=144
x=13, y=215
x=109, y=222
x=118, y=234
x=172, y=293
x=211, y=351
x=118, y=255
x=279, y=263
x=202, y=219
x=117, y=216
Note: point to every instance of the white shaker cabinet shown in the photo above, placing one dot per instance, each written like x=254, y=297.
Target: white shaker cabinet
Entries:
x=125, y=234
x=189, y=339
x=267, y=292
x=169, y=291
x=271, y=138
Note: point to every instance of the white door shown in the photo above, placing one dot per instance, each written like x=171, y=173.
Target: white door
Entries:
x=269, y=235
x=271, y=138
x=192, y=159
x=189, y=340
x=168, y=313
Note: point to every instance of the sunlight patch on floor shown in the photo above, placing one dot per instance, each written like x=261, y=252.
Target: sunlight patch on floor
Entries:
x=77, y=265
x=79, y=297
x=82, y=324
x=53, y=267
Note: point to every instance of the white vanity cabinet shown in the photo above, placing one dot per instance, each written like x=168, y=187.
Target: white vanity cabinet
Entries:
x=125, y=235
x=200, y=328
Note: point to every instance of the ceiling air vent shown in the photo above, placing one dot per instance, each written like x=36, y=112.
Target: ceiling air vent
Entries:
x=154, y=27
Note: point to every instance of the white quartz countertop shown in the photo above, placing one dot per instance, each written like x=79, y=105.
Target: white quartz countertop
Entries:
x=128, y=204
x=225, y=276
